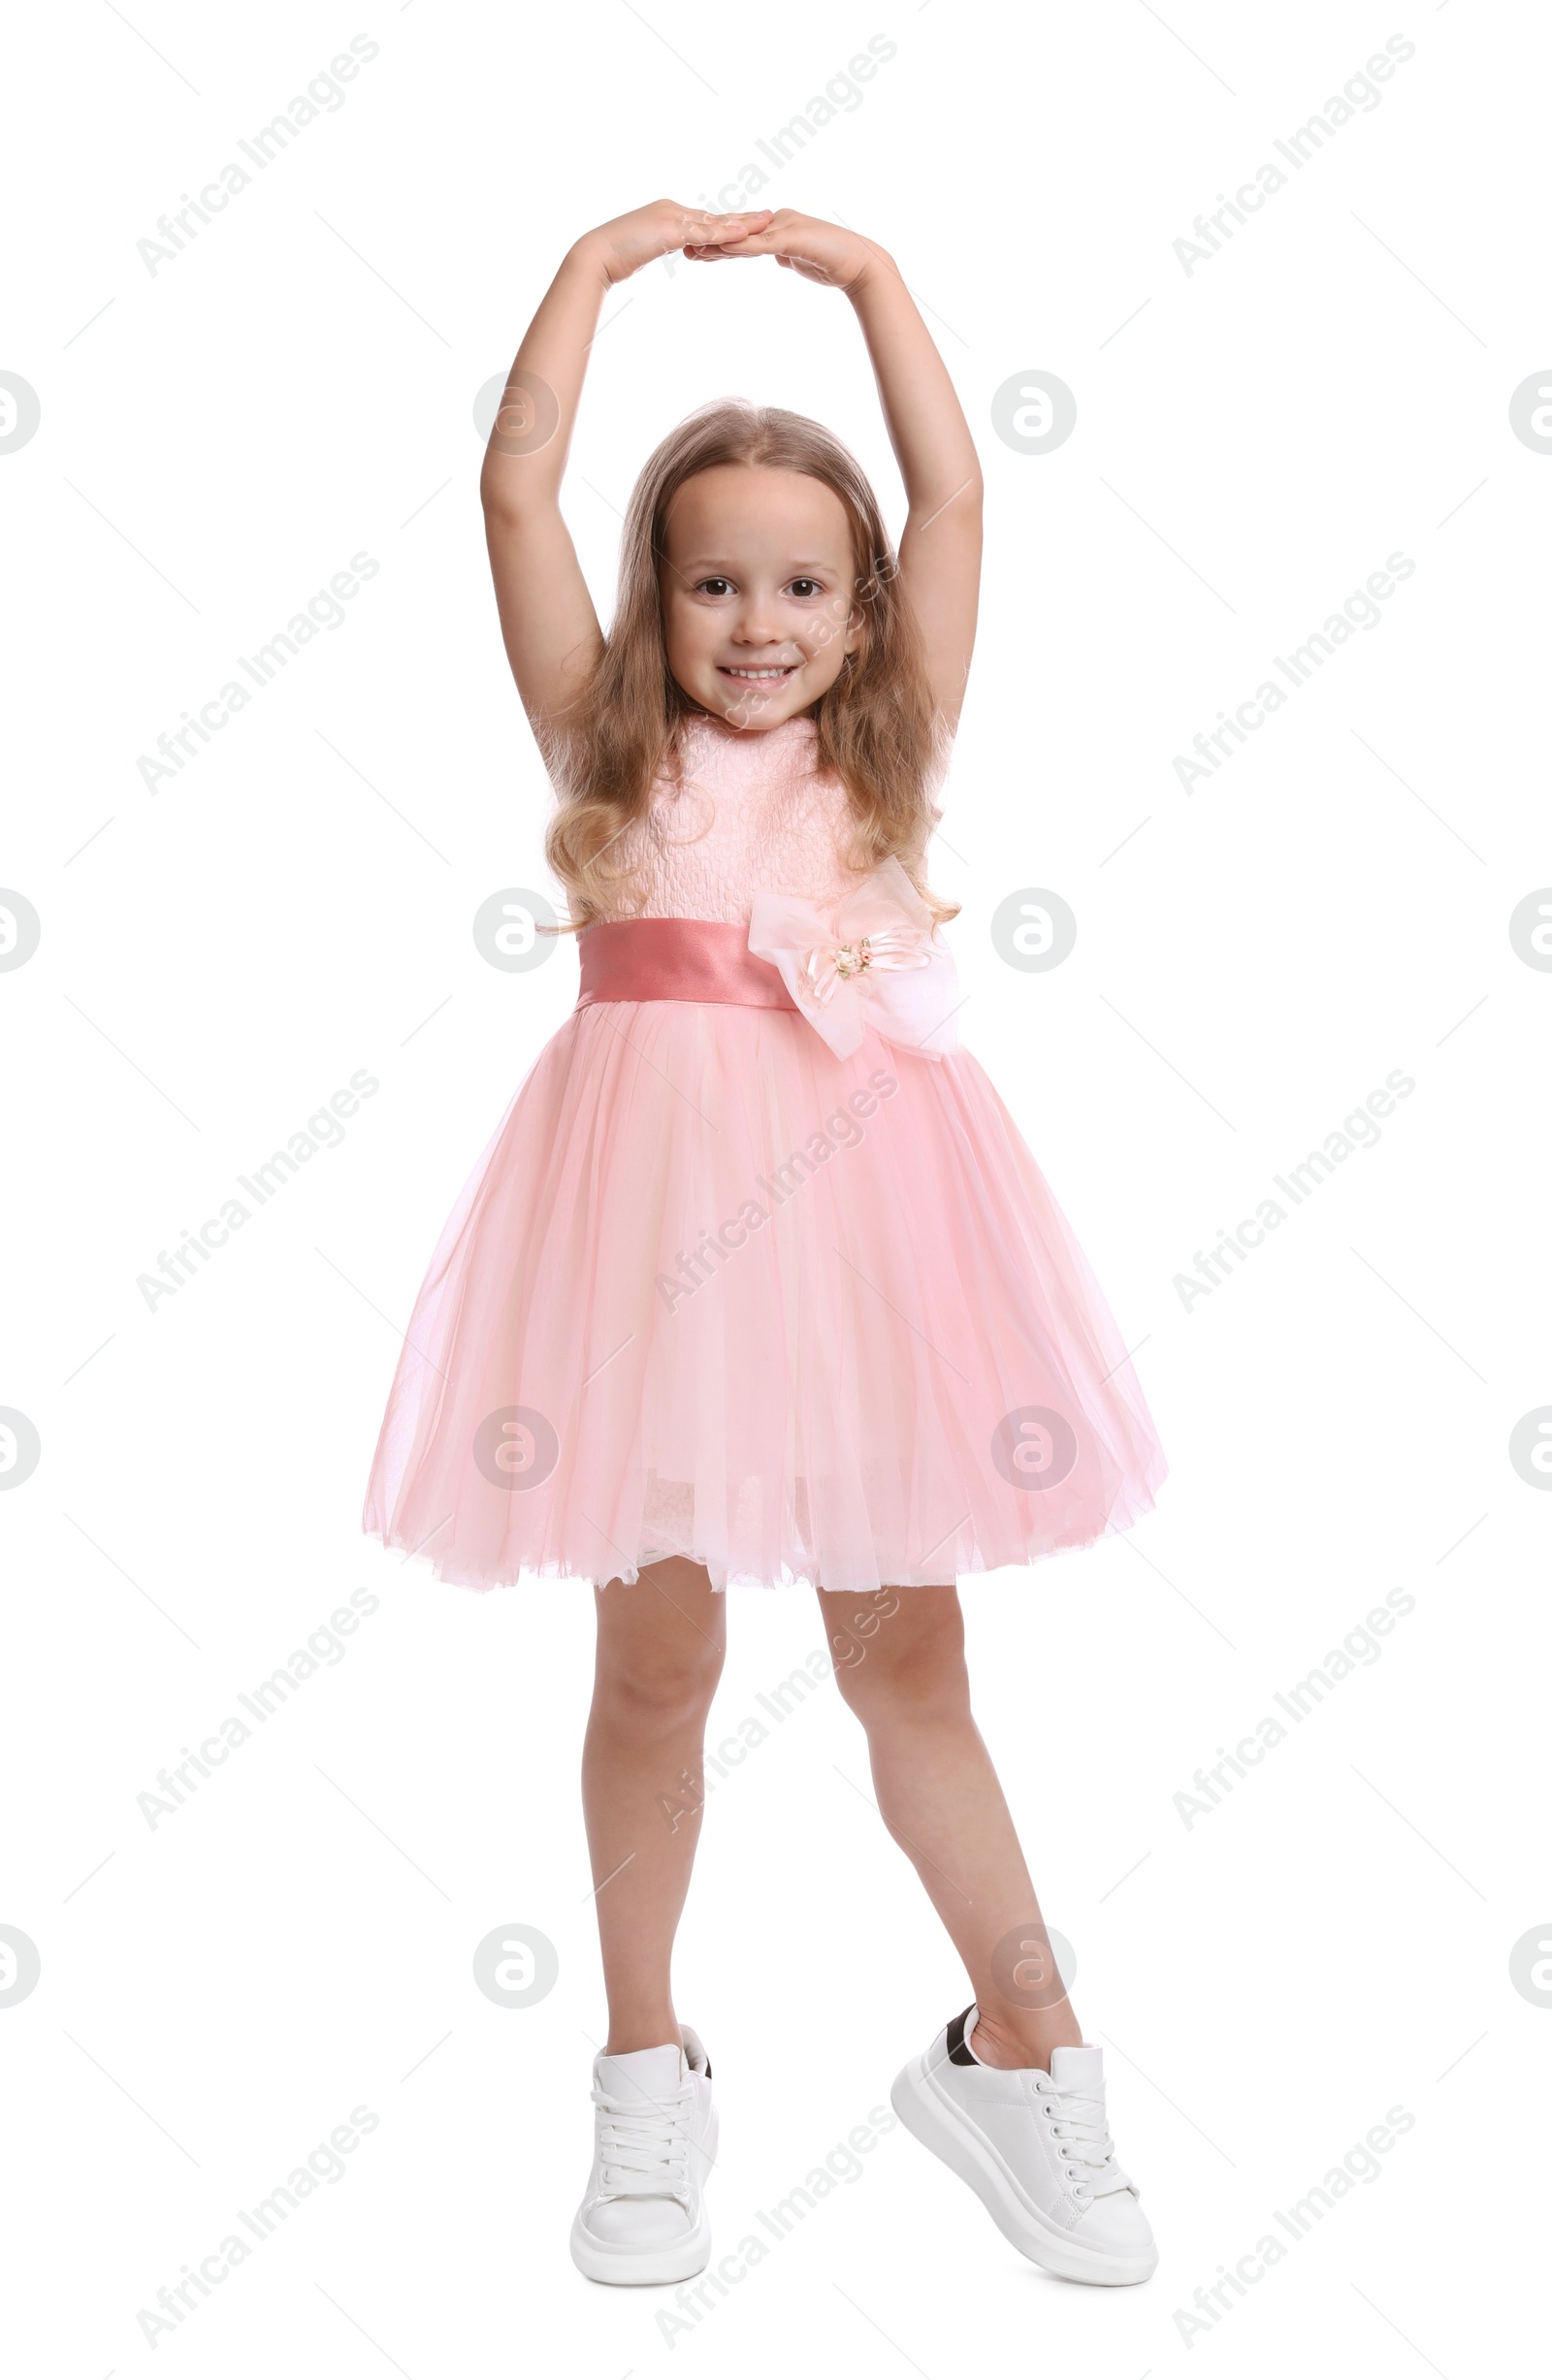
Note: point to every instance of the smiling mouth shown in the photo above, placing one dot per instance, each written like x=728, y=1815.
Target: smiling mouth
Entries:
x=758, y=677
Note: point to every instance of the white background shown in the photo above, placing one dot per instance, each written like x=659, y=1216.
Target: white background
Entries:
x=217, y=440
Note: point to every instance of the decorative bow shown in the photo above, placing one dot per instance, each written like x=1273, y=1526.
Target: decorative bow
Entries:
x=872, y=961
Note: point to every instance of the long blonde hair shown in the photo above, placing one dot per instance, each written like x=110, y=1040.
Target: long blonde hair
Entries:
x=876, y=725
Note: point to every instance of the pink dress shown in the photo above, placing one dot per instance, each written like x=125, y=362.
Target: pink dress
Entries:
x=716, y=1291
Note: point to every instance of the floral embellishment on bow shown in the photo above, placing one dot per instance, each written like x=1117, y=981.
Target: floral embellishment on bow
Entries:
x=874, y=961
x=849, y=959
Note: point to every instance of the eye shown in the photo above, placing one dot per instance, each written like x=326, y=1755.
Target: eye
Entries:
x=806, y=586
x=714, y=586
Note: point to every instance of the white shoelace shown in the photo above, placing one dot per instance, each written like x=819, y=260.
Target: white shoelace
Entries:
x=1078, y=2128
x=644, y=2145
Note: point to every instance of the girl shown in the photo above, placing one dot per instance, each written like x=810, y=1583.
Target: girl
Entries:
x=758, y=1282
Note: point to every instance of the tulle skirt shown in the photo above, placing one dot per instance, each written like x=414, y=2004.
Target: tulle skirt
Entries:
x=714, y=1292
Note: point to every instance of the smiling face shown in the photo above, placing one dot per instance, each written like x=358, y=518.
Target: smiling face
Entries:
x=758, y=607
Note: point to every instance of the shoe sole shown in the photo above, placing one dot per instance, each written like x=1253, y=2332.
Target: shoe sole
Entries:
x=926, y=2110
x=670, y=2260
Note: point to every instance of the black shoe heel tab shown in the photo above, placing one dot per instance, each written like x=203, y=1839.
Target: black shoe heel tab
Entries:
x=959, y=2053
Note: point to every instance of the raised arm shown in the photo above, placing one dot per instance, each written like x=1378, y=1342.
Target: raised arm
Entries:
x=940, y=545
x=548, y=624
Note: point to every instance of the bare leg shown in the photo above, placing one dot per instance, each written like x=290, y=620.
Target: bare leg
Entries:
x=900, y=1664
x=659, y=1654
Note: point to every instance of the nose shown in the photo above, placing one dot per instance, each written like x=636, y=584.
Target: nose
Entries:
x=756, y=622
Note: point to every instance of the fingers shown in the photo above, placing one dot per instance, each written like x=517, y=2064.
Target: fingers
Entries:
x=772, y=239
x=725, y=227
x=758, y=232
x=743, y=250
x=729, y=233
x=728, y=254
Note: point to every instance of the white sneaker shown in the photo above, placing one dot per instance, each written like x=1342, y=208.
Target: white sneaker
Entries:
x=655, y=2141
x=1036, y=2150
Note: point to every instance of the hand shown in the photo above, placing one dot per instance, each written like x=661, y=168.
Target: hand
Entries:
x=819, y=251
x=624, y=245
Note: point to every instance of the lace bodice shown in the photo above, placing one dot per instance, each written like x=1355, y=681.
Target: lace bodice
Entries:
x=749, y=811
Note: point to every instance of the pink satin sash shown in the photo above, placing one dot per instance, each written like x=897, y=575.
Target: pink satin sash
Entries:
x=676, y=958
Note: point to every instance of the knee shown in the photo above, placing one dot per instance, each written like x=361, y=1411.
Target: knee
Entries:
x=658, y=1688
x=921, y=1676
